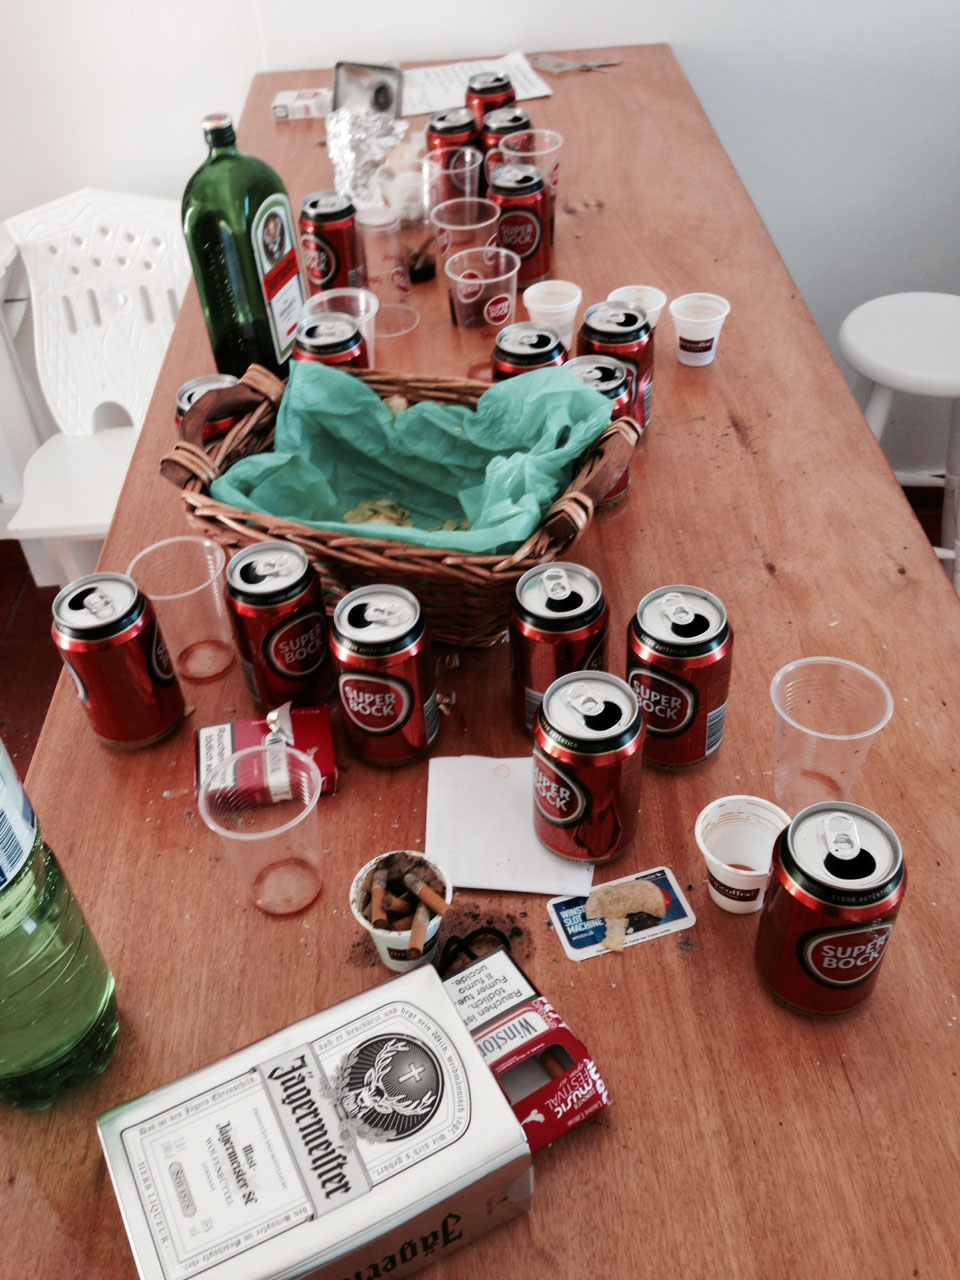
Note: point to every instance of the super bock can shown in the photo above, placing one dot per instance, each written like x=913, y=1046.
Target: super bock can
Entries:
x=276, y=604
x=332, y=248
x=614, y=329
x=679, y=653
x=497, y=125
x=558, y=624
x=587, y=755
x=107, y=634
x=385, y=674
x=192, y=391
x=520, y=193
x=609, y=377
x=488, y=91
x=837, y=883
x=524, y=346
x=332, y=338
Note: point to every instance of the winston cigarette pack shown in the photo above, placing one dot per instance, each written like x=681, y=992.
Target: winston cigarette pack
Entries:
x=367, y=1140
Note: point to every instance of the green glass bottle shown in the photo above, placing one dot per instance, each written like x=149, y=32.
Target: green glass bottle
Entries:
x=58, y=1005
x=243, y=245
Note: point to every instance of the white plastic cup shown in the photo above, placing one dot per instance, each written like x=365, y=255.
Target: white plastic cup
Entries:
x=392, y=946
x=647, y=297
x=698, y=319
x=183, y=577
x=736, y=835
x=362, y=304
x=556, y=303
x=828, y=711
x=262, y=803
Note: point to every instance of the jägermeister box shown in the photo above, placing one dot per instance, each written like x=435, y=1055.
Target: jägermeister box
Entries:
x=367, y=1140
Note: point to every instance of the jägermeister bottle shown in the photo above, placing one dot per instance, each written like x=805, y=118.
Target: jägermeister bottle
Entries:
x=243, y=245
x=58, y=1008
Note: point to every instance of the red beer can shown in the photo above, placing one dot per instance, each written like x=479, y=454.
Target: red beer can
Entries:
x=385, y=674
x=519, y=191
x=333, y=338
x=615, y=329
x=487, y=91
x=558, y=624
x=496, y=126
x=107, y=634
x=524, y=346
x=837, y=883
x=679, y=654
x=587, y=757
x=454, y=127
x=332, y=248
x=276, y=603
x=609, y=377
x=191, y=392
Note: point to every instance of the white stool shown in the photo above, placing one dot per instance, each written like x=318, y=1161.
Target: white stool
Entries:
x=911, y=342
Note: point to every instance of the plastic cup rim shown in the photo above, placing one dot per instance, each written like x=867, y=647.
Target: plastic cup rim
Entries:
x=215, y=573
x=494, y=214
x=316, y=782
x=768, y=806
x=455, y=276
x=572, y=302
x=872, y=676
x=618, y=294
x=723, y=307
x=547, y=149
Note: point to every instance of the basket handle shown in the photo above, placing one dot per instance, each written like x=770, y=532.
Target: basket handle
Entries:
x=254, y=401
x=570, y=514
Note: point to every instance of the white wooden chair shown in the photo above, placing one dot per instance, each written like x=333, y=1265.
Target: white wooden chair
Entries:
x=106, y=274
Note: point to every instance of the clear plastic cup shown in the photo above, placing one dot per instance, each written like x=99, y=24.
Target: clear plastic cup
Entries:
x=736, y=835
x=451, y=173
x=464, y=223
x=262, y=803
x=698, y=319
x=362, y=304
x=647, y=297
x=387, y=273
x=540, y=147
x=484, y=286
x=183, y=578
x=556, y=303
x=392, y=945
x=828, y=713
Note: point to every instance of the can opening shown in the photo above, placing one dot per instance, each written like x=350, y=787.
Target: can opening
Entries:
x=697, y=625
x=857, y=868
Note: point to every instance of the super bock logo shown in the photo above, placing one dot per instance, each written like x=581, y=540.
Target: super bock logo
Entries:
x=520, y=231
x=320, y=260
x=160, y=664
x=376, y=704
x=391, y=1086
x=669, y=704
x=559, y=799
x=844, y=957
x=298, y=646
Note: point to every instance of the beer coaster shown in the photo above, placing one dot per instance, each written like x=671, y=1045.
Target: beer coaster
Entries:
x=583, y=938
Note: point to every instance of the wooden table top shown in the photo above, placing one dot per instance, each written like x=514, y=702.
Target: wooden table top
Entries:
x=744, y=1140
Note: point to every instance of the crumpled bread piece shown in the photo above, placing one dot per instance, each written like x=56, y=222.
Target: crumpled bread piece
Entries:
x=612, y=901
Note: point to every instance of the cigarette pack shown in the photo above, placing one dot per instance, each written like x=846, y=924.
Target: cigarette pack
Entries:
x=305, y=728
x=547, y=1074
x=302, y=104
x=368, y=1139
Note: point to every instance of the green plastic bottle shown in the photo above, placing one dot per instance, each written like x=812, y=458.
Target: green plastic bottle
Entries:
x=243, y=245
x=58, y=1005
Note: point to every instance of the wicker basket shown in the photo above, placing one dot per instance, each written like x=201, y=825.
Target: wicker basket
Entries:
x=466, y=598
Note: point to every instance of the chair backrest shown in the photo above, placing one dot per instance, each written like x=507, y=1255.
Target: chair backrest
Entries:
x=107, y=274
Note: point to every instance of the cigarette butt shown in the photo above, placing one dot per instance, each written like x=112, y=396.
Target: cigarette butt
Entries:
x=367, y=884
x=401, y=924
x=394, y=906
x=426, y=895
x=378, y=916
x=418, y=931
x=552, y=1064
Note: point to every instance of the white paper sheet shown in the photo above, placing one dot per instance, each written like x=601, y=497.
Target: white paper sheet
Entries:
x=429, y=89
x=480, y=829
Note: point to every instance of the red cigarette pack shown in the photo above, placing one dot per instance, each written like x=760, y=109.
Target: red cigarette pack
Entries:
x=305, y=728
x=547, y=1074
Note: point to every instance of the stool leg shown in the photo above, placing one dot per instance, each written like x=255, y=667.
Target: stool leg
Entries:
x=950, y=481
x=878, y=407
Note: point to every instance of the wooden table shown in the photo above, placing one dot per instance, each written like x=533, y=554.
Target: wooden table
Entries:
x=744, y=1140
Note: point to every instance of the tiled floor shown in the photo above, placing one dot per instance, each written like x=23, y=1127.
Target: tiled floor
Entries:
x=30, y=664
x=29, y=661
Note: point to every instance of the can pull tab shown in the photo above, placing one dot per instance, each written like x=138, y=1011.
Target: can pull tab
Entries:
x=675, y=609
x=841, y=836
x=277, y=566
x=393, y=614
x=100, y=604
x=556, y=583
x=579, y=698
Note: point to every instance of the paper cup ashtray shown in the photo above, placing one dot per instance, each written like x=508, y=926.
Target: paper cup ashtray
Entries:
x=377, y=893
x=736, y=835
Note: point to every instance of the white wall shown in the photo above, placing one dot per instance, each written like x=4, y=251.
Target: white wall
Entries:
x=840, y=115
